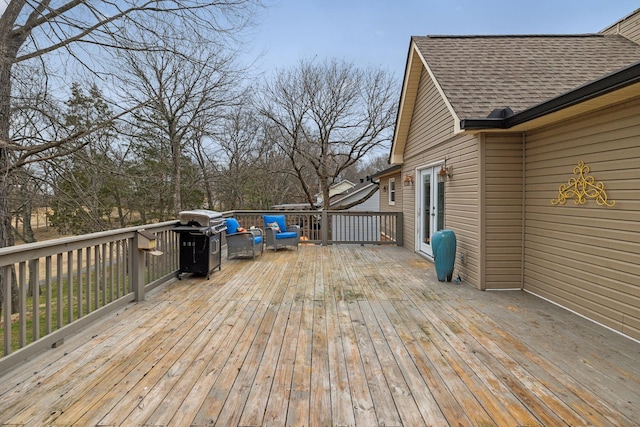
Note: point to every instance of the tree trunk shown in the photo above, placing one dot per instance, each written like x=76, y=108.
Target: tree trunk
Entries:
x=29, y=237
x=6, y=235
x=27, y=229
x=121, y=216
x=176, y=157
x=206, y=179
x=177, y=177
x=326, y=203
x=6, y=231
x=14, y=291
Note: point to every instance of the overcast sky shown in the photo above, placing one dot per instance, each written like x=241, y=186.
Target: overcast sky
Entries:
x=377, y=32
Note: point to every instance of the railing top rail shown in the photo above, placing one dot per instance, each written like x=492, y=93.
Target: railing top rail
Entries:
x=13, y=254
x=10, y=254
x=305, y=212
x=271, y=211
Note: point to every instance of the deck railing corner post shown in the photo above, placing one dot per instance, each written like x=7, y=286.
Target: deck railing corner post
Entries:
x=138, y=273
x=400, y=230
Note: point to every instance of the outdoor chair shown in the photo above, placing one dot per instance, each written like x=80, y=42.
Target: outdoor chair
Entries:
x=241, y=242
x=279, y=234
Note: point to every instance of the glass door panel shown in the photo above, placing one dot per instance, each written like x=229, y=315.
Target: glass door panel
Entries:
x=425, y=212
x=431, y=212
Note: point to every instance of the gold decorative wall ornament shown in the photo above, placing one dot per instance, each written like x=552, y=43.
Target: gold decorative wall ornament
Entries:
x=583, y=187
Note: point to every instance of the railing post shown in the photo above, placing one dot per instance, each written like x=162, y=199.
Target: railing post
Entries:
x=400, y=229
x=138, y=264
x=5, y=282
x=324, y=227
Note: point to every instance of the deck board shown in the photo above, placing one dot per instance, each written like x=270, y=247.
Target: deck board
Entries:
x=338, y=335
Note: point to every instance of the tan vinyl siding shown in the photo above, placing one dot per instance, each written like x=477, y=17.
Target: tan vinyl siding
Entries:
x=587, y=257
x=431, y=140
x=431, y=123
x=628, y=27
x=462, y=208
x=502, y=204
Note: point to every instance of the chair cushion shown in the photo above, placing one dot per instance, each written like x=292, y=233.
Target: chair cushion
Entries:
x=257, y=240
x=286, y=235
x=268, y=219
x=232, y=225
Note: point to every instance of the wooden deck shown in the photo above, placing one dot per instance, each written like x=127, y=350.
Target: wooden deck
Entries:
x=331, y=336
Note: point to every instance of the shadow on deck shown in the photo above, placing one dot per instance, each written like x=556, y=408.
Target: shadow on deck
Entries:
x=331, y=335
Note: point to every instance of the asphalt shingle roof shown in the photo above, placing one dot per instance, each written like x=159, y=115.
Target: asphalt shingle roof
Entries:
x=481, y=73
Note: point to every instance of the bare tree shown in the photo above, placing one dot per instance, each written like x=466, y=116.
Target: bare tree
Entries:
x=366, y=168
x=241, y=153
x=253, y=175
x=329, y=115
x=79, y=30
x=186, y=95
x=51, y=35
x=206, y=162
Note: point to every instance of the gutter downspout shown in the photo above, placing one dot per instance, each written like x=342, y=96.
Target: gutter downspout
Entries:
x=482, y=258
x=524, y=204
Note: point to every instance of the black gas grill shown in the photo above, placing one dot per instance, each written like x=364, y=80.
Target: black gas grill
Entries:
x=200, y=233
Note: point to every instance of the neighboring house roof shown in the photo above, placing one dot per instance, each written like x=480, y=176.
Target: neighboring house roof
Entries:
x=344, y=182
x=479, y=74
x=389, y=171
x=335, y=188
x=358, y=193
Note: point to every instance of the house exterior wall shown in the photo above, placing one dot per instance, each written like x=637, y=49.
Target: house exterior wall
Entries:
x=502, y=207
x=388, y=230
x=430, y=141
x=586, y=257
x=371, y=204
x=462, y=204
x=355, y=228
x=340, y=187
x=385, y=205
x=431, y=125
x=628, y=27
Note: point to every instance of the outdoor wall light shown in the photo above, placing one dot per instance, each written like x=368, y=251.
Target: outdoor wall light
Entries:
x=445, y=173
x=408, y=180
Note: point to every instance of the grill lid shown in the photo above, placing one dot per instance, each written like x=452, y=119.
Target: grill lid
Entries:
x=200, y=217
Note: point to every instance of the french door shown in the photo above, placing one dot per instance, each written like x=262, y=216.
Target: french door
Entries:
x=430, y=196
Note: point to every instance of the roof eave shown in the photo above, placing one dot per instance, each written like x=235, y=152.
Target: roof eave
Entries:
x=480, y=124
x=416, y=62
x=404, y=109
x=351, y=195
x=607, y=84
x=388, y=171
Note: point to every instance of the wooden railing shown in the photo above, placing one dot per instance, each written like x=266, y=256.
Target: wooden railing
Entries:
x=333, y=227
x=54, y=288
